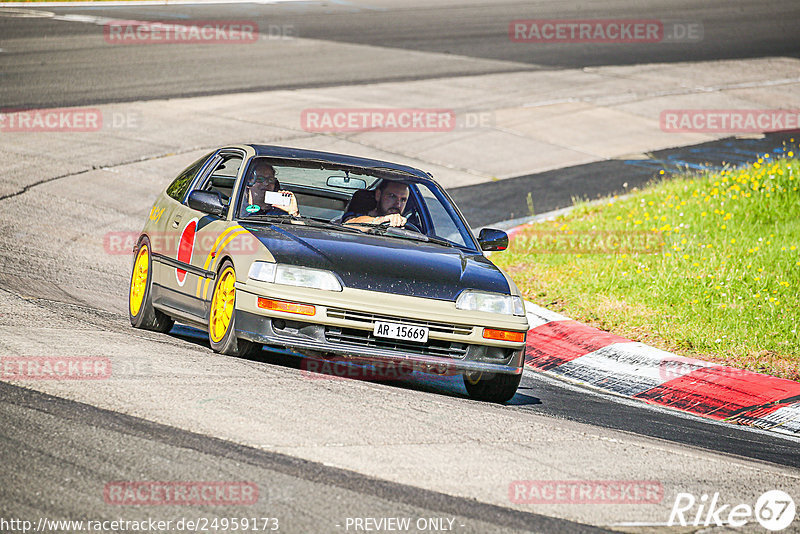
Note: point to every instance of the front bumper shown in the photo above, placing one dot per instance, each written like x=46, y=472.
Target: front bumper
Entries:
x=438, y=356
x=342, y=324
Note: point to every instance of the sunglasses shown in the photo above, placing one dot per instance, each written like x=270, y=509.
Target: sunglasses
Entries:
x=269, y=179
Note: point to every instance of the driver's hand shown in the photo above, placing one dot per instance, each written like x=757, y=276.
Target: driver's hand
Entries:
x=394, y=219
x=291, y=209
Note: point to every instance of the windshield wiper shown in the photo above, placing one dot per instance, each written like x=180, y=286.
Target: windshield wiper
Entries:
x=395, y=231
x=440, y=241
x=300, y=220
x=315, y=223
x=269, y=218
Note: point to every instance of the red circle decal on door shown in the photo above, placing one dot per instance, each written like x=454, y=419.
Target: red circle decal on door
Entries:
x=185, y=249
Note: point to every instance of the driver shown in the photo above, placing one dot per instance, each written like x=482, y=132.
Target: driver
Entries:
x=391, y=198
x=260, y=181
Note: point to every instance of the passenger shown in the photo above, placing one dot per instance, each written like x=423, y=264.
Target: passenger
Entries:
x=261, y=180
x=391, y=198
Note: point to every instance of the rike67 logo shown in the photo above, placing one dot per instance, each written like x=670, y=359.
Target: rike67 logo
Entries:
x=774, y=510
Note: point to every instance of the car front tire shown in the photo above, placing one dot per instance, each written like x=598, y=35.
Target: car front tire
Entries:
x=222, y=317
x=494, y=387
x=140, y=306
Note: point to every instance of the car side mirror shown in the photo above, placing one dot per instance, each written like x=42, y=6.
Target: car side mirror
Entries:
x=491, y=239
x=208, y=202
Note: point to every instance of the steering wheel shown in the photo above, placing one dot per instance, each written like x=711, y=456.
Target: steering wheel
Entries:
x=407, y=226
x=412, y=226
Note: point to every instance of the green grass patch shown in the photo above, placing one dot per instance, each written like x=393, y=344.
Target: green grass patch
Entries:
x=706, y=266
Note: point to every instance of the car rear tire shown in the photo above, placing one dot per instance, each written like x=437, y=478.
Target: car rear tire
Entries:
x=222, y=317
x=140, y=306
x=495, y=387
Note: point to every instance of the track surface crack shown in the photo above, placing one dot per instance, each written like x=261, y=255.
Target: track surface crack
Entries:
x=28, y=187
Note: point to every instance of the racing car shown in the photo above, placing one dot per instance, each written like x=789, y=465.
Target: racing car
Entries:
x=314, y=279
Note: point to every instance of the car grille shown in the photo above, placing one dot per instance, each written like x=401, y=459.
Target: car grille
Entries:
x=364, y=338
x=368, y=319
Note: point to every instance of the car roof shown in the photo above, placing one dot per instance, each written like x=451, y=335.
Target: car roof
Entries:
x=336, y=159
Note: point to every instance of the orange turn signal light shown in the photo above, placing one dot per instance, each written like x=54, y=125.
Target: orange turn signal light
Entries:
x=288, y=307
x=503, y=335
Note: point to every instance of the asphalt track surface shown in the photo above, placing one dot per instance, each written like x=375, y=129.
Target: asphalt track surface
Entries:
x=48, y=62
x=50, y=446
x=557, y=399
x=41, y=433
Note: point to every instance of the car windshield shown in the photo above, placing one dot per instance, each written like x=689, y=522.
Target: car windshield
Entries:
x=326, y=196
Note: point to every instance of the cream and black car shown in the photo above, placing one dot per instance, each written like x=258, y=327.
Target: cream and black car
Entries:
x=424, y=293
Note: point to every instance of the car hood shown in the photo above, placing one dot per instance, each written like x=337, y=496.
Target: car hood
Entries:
x=385, y=264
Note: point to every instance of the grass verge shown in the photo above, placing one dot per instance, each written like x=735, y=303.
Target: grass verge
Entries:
x=706, y=266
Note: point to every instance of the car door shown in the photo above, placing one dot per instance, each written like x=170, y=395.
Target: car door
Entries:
x=189, y=235
x=204, y=236
x=164, y=231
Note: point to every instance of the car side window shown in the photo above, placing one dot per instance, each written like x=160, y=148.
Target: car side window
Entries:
x=222, y=177
x=443, y=222
x=177, y=189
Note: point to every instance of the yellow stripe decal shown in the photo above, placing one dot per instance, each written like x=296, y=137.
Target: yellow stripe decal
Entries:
x=212, y=253
x=224, y=244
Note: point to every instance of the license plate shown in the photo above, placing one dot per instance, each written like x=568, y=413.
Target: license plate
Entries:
x=418, y=334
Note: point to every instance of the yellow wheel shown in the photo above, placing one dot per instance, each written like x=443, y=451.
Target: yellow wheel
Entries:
x=222, y=316
x=140, y=307
x=141, y=268
x=222, y=303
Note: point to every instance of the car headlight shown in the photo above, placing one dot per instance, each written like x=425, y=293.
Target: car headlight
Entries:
x=490, y=302
x=292, y=275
